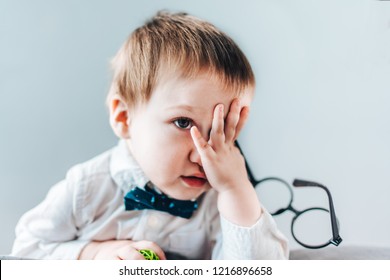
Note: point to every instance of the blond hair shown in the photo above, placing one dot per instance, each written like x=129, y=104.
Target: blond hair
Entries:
x=176, y=42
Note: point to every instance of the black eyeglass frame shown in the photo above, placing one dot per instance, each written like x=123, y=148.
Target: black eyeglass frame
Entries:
x=336, y=239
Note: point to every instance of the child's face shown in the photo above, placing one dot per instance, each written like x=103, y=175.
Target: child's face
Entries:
x=160, y=139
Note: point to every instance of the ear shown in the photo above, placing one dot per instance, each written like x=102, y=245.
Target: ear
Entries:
x=119, y=116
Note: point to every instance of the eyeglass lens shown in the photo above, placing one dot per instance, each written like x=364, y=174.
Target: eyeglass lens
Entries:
x=310, y=227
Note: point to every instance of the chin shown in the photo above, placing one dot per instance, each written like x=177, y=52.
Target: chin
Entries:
x=182, y=190
x=187, y=193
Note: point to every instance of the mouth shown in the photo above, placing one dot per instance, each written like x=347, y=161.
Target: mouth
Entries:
x=194, y=181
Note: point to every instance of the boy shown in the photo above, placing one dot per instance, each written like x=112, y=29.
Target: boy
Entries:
x=180, y=95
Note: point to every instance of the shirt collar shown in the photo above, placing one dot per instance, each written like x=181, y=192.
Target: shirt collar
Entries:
x=124, y=170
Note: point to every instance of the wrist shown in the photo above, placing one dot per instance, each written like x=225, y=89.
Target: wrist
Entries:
x=236, y=187
x=240, y=205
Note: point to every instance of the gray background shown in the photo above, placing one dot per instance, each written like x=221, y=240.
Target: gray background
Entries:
x=321, y=110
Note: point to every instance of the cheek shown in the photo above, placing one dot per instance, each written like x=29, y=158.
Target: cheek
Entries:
x=162, y=154
x=171, y=151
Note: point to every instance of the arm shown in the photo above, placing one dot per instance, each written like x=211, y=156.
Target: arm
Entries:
x=49, y=231
x=52, y=229
x=248, y=230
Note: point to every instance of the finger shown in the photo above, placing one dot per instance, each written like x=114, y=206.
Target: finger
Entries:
x=131, y=253
x=243, y=118
x=217, y=135
x=232, y=120
x=203, y=148
x=150, y=246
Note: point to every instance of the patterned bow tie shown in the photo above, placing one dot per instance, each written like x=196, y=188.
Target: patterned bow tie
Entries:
x=139, y=199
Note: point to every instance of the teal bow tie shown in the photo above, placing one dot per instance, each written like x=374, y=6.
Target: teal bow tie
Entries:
x=139, y=199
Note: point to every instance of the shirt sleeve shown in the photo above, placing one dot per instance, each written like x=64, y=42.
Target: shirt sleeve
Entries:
x=262, y=241
x=49, y=231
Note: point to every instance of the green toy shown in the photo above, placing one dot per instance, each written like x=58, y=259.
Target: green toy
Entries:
x=149, y=254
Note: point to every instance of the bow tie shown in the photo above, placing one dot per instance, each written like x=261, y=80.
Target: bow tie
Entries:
x=139, y=199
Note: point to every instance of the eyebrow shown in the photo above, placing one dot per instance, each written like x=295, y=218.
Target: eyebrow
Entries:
x=182, y=107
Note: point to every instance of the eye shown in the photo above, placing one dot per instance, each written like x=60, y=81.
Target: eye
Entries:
x=183, y=123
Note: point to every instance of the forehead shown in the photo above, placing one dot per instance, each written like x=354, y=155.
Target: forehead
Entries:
x=198, y=93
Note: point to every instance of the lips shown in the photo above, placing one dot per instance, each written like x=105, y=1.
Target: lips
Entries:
x=194, y=181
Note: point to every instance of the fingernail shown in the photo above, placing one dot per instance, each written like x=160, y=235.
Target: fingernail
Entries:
x=221, y=108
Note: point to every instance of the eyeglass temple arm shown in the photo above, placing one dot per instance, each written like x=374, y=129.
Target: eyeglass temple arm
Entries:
x=335, y=229
x=248, y=169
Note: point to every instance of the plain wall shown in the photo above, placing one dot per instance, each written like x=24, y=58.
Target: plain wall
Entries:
x=321, y=110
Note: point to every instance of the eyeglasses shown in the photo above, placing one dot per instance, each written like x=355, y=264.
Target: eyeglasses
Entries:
x=314, y=218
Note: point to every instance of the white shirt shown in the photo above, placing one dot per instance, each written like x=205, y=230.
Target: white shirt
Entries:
x=88, y=206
